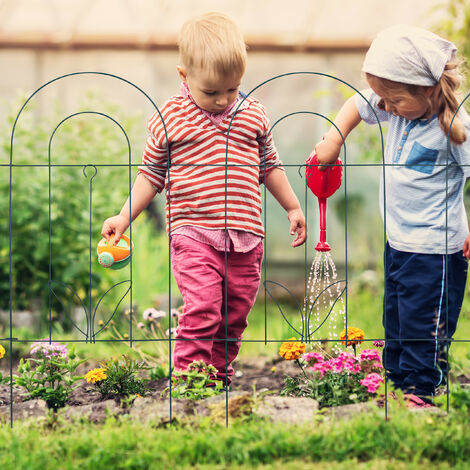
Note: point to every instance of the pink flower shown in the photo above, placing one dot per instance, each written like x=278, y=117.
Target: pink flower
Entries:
x=48, y=350
x=379, y=343
x=369, y=355
x=372, y=382
x=322, y=367
x=313, y=357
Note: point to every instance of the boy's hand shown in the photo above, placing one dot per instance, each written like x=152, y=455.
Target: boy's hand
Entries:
x=327, y=151
x=117, y=225
x=466, y=247
x=297, y=225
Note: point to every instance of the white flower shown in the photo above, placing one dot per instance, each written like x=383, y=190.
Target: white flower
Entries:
x=153, y=314
x=173, y=332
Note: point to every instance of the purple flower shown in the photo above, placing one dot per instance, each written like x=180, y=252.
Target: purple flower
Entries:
x=48, y=350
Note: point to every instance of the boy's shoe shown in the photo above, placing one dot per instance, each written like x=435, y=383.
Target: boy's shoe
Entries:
x=413, y=401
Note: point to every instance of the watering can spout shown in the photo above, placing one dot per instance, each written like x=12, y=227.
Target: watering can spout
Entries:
x=322, y=245
x=323, y=184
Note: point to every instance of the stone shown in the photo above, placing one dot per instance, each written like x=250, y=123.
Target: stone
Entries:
x=149, y=409
x=27, y=409
x=289, y=410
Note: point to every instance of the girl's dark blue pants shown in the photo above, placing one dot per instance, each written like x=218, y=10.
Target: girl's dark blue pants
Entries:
x=422, y=302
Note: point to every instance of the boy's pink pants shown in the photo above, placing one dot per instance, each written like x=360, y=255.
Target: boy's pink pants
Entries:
x=203, y=327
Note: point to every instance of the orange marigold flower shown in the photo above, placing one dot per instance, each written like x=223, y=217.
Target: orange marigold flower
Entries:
x=291, y=349
x=95, y=375
x=355, y=336
x=2, y=351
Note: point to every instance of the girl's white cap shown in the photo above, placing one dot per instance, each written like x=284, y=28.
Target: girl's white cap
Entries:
x=407, y=54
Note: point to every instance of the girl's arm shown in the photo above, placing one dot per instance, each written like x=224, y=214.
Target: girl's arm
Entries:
x=329, y=148
x=141, y=194
x=278, y=185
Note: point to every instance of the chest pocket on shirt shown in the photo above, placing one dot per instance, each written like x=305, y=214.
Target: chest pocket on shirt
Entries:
x=421, y=159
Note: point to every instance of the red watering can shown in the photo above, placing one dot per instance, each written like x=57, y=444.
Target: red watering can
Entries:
x=323, y=184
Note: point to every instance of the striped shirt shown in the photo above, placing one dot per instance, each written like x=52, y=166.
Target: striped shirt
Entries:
x=206, y=186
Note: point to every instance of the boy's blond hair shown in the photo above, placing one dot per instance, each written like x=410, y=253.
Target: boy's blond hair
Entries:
x=212, y=42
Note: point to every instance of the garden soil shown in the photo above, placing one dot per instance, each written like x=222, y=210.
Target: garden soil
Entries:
x=260, y=374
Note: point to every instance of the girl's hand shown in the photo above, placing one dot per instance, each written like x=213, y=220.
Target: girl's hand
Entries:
x=466, y=247
x=117, y=225
x=297, y=226
x=327, y=151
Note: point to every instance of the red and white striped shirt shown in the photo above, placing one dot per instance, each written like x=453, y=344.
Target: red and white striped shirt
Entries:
x=206, y=185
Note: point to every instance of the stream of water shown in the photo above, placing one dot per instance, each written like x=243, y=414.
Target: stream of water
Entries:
x=324, y=308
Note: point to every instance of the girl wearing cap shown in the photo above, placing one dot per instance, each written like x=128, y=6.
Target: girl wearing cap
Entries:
x=413, y=77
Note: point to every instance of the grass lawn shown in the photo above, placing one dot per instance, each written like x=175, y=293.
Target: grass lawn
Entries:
x=406, y=440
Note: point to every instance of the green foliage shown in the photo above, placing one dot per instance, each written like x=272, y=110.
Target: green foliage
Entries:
x=49, y=377
x=122, y=378
x=459, y=399
x=195, y=383
x=455, y=25
x=159, y=372
x=404, y=440
x=330, y=390
x=57, y=211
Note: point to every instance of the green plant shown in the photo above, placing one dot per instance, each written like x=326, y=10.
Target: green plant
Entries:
x=117, y=378
x=63, y=205
x=49, y=373
x=159, y=372
x=195, y=383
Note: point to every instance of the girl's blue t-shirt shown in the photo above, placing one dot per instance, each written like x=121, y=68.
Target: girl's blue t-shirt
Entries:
x=423, y=181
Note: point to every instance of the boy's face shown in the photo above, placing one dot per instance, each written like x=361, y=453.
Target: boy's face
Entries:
x=211, y=92
x=402, y=103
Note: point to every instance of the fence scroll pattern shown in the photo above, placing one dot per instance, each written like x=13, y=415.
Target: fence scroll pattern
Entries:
x=87, y=330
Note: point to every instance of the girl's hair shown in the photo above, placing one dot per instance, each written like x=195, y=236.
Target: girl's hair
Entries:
x=444, y=100
x=212, y=42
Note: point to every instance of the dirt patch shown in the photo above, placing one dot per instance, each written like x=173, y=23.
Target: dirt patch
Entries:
x=258, y=374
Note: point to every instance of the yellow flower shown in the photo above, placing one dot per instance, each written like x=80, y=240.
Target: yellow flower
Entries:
x=126, y=336
x=101, y=323
x=2, y=351
x=355, y=336
x=291, y=349
x=95, y=375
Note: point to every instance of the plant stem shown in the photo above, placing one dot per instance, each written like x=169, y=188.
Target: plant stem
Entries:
x=301, y=367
